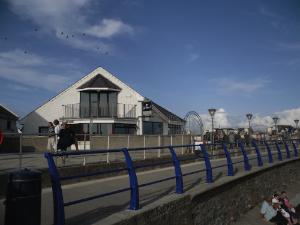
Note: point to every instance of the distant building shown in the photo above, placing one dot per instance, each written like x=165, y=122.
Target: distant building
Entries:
x=102, y=104
x=8, y=120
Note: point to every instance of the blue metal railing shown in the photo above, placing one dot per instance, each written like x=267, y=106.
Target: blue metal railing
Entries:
x=205, y=152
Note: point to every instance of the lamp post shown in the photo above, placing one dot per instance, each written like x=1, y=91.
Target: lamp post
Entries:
x=249, y=117
x=212, y=114
x=275, y=119
x=296, y=122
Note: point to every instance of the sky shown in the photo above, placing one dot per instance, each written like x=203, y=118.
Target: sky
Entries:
x=235, y=56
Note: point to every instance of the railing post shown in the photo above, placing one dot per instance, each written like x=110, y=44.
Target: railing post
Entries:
x=178, y=173
x=270, y=156
x=288, y=154
x=295, y=149
x=209, y=177
x=58, y=201
x=278, y=151
x=247, y=166
x=230, y=171
x=259, y=159
x=134, y=187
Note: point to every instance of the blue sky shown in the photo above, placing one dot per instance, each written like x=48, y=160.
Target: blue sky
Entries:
x=241, y=56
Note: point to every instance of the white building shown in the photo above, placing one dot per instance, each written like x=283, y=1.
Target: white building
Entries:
x=8, y=120
x=102, y=104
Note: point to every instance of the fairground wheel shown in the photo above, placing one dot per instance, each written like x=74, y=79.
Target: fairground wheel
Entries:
x=193, y=123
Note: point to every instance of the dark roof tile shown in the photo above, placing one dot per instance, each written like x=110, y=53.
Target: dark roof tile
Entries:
x=99, y=82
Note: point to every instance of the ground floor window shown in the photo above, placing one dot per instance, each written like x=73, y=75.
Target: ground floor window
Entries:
x=122, y=128
x=43, y=130
x=152, y=127
x=175, y=129
x=105, y=128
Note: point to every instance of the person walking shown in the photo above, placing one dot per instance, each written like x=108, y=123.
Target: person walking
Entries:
x=51, y=146
x=66, y=139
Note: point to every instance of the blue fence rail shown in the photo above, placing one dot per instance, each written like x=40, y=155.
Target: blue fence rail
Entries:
x=203, y=152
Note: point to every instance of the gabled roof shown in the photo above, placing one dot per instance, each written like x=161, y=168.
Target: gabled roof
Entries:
x=99, y=82
x=7, y=113
x=171, y=116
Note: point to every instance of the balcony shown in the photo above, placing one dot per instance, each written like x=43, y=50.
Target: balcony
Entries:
x=75, y=111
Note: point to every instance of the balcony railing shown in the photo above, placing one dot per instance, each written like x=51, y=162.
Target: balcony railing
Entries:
x=76, y=111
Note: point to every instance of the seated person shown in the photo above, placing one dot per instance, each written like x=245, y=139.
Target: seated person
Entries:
x=277, y=206
x=287, y=206
x=270, y=214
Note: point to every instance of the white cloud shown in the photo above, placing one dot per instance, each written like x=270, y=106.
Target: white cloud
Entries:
x=229, y=86
x=20, y=57
x=69, y=21
x=29, y=70
x=192, y=57
x=221, y=119
x=224, y=120
x=108, y=28
x=289, y=46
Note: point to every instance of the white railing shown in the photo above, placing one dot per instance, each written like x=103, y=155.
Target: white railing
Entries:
x=111, y=111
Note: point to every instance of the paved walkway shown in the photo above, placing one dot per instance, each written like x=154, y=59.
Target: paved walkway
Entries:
x=253, y=217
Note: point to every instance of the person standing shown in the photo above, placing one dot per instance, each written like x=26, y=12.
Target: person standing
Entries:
x=51, y=146
x=56, y=131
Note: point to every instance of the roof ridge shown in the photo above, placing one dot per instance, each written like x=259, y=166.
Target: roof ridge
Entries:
x=9, y=110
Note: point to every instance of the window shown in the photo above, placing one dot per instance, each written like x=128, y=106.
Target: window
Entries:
x=8, y=125
x=84, y=104
x=175, y=129
x=120, y=128
x=103, y=104
x=43, y=130
x=101, y=128
x=98, y=104
x=152, y=127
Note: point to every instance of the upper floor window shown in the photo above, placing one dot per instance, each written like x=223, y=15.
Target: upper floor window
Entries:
x=98, y=104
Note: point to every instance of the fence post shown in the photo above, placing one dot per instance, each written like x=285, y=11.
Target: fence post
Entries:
x=144, y=146
x=21, y=151
x=178, y=173
x=258, y=155
x=182, y=144
x=134, y=187
x=159, y=143
x=278, y=151
x=288, y=154
x=108, y=146
x=128, y=141
x=270, y=156
x=58, y=201
x=230, y=171
x=247, y=166
x=209, y=177
x=295, y=149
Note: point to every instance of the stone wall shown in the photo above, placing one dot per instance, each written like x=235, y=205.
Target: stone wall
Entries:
x=220, y=203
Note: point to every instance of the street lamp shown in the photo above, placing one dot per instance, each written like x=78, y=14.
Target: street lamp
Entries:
x=212, y=114
x=249, y=117
x=275, y=119
x=296, y=122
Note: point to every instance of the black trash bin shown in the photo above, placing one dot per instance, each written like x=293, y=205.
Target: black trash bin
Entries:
x=23, y=198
